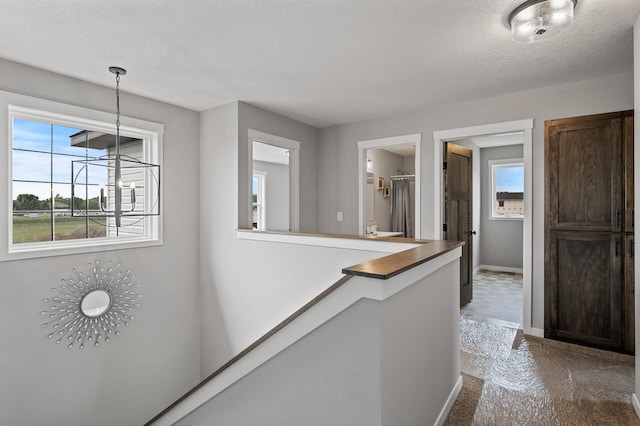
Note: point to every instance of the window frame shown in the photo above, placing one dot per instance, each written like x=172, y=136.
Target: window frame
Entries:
x=493, y=165
x=70, y=116
x=261, y=199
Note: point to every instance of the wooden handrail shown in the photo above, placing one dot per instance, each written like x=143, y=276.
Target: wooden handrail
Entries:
x=381, y=268
x=254, y=345
x=389, y=266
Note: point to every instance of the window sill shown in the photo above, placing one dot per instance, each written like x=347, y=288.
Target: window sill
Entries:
x=35, y=251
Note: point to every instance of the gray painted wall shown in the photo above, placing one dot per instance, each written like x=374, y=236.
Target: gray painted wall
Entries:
x=355, y=369
x=276, y=194
x=338, y=154
x=155, y=358
x=251, y=117
x=501, y=240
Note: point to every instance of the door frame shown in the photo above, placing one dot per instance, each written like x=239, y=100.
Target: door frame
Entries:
x=451, y=135
x=414, y=139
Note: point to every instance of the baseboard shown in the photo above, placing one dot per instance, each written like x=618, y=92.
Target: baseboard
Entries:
x=475, y=271
x=635, y=403
x=536, y=332
x=500, y=269
x=450, y=401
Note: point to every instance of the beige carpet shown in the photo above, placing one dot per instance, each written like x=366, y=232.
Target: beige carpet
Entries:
x=464, y=408
x=512, y=379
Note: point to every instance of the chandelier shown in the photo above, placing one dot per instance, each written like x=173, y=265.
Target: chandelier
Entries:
x=129, y=189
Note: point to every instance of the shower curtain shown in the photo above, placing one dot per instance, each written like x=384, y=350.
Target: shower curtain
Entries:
x=401, y=208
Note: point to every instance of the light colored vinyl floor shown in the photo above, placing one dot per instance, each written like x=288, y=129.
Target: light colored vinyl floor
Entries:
x=497, y=297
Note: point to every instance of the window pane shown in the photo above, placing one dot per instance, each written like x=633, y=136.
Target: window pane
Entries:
x=67, y=227
x=62, y=141
x=31, y=196
x=509, y=179
x=79, y=142
x=49, y=161
x=31, y=135
x=508, y=198
x=31, y=166
x=31, y=214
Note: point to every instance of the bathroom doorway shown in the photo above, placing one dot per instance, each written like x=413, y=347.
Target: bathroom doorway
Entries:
x=389, y=186
x=391, y=191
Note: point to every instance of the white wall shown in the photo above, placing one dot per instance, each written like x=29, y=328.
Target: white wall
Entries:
x=337, y=150
x=155, y=358
x=276, y=194
x=501, y=240
x=257, y=284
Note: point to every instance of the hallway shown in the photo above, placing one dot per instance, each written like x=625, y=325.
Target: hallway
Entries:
x=497, y=298
x=512, y=379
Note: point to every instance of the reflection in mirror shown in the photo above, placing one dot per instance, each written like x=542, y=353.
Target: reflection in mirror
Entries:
x=391, y=211
x=273, y=182
x=270, y=187
x=95, y=303
x=371, y=192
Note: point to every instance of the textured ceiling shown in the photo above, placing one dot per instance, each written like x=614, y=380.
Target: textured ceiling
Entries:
x=322, y=62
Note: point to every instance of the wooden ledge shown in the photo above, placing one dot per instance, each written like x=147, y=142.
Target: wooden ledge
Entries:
x=338, y=236
x=389, y=266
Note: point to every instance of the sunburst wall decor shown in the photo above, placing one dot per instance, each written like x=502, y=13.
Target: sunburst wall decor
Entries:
x=89, y=307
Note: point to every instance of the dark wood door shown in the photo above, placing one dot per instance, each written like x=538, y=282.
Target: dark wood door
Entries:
x=458, y=211
x=629, y=294
x=628, y=172
x=584, y=174
x=584, y=288
x=589, y=230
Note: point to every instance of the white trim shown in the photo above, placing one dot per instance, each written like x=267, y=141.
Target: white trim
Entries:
x=371, y=244
x=442, y=417
x=635, y=403
x=500, y=269
x=535, y=332
x=55, y=113
x=294, y=171
x=526, y=126
x=414, y=139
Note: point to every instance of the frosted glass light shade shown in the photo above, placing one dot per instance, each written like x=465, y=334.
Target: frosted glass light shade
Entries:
x=537, y=20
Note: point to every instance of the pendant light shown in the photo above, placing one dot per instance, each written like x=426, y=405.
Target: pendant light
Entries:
x=129, y=189
x=537, y=20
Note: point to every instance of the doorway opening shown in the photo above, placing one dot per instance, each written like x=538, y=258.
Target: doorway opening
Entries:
x=523, y=130
x=389, y=186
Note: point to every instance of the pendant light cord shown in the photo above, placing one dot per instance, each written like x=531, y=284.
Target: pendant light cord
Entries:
x=118, y=115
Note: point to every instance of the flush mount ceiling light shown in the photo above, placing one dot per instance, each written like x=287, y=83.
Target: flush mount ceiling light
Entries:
x=129, y=189
x=536, y=20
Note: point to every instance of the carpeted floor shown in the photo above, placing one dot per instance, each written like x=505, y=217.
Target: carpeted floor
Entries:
x=512, y=379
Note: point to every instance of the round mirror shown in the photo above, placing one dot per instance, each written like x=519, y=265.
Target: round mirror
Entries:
x=95, y=303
